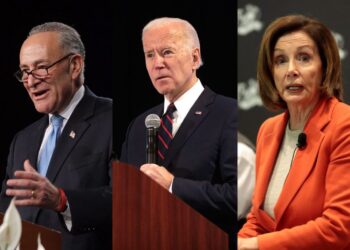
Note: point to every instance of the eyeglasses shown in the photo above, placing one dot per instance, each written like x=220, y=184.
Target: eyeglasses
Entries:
x=39, y=73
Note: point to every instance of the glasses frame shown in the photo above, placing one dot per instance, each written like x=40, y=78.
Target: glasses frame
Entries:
x=20, y=73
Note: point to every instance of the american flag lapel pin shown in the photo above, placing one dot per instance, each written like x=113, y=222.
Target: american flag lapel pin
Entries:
x=72, y=134
x=198, y=112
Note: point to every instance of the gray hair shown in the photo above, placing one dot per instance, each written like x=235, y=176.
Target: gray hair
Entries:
x=188, y=32
x=70, y=40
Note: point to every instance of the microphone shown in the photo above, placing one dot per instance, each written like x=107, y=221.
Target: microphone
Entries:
x=301, y=141
x=152, y=123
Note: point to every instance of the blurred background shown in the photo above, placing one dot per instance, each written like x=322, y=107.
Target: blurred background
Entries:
x=253, y=17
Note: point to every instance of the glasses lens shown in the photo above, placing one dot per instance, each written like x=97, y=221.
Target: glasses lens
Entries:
x=19, y=75
x=39, y=73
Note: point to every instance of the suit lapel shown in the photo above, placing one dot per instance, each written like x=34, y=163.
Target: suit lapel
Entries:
x=74, y=129
x=36, y=140
x=270, y=144
x=304, y=160
x=194, y=117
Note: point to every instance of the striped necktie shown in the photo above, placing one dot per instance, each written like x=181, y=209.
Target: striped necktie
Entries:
x=165, y=131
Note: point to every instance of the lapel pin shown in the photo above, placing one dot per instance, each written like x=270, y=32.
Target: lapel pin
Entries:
x=72, y=134
x=198, y=112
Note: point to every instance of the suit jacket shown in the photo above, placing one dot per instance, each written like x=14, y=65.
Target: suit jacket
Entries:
x=80, y=165
x=202, y=156
x=313, y=210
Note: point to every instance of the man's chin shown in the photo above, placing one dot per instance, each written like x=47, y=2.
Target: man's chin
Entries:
x=42, y=108
x=164, y=90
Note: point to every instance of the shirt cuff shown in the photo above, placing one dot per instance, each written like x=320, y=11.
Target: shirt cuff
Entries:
x=171, y=186
x=67, y=217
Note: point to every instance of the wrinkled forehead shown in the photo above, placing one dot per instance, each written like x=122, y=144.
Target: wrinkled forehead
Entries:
x=40, y=46
x=163, y=36
x=296, y=37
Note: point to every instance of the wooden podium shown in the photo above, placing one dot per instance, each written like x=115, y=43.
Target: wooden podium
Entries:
x=146, y=216
x=50, y=239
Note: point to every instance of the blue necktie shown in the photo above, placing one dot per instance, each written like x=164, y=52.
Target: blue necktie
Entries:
x=49, y=147
x=165, y=131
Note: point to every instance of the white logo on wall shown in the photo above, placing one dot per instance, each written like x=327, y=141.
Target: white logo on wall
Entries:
x=248, y=19
x=341, y=45
x=248, y=94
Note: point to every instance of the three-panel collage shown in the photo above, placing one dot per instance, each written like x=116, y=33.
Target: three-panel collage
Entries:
x=192, y=125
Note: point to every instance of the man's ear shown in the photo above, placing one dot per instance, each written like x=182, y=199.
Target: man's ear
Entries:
x=76, y=65
x=196, y=58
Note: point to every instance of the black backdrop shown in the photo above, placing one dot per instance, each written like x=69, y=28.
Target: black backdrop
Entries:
x=114, y=65
x=215, y=22
x=96, y=25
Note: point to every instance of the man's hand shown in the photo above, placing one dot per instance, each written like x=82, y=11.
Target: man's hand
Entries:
x=32, y=189
x=158, y=174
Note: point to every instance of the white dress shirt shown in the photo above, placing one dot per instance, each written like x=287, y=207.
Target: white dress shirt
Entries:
x=66, y=113
x=183, y=106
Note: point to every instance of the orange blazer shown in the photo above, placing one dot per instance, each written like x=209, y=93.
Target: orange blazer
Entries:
x=313, y=210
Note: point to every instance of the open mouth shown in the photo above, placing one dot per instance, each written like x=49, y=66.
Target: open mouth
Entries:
x=294, y=87
x=40, y=94
x=161, y=78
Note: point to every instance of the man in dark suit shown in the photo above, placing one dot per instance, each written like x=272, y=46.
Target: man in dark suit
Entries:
x=72, y=192
x=199, y=165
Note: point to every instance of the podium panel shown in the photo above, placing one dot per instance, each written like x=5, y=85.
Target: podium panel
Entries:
x=146, y=216
x=50, y=239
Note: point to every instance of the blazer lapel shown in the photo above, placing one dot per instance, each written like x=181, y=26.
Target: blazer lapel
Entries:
x=304, y=160
x=194, y=117
x=36, y=140
x=74, y=129
x=270, y=146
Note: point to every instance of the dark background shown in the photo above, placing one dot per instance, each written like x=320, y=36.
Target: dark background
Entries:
x=334, y=14
x=114, y=57
x=96, y=26
x=215, y=22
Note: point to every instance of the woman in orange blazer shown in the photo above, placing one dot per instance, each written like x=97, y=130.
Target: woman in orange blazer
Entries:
x=302, y=194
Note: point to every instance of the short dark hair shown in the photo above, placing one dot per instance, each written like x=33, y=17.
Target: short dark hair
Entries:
x=327, y=47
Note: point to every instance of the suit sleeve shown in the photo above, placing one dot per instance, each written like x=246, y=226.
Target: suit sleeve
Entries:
x=216, y=201
x=4, y=199
x=91, y=208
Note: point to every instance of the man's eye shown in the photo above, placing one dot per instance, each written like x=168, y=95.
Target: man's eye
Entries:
x=41, y=67
x=167, y=52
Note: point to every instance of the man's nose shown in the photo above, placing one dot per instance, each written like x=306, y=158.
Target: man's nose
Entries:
x=158, y=61
x=31, y=81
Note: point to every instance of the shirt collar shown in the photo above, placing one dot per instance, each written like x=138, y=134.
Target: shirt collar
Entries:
x=186, y=101
x=67, y=112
